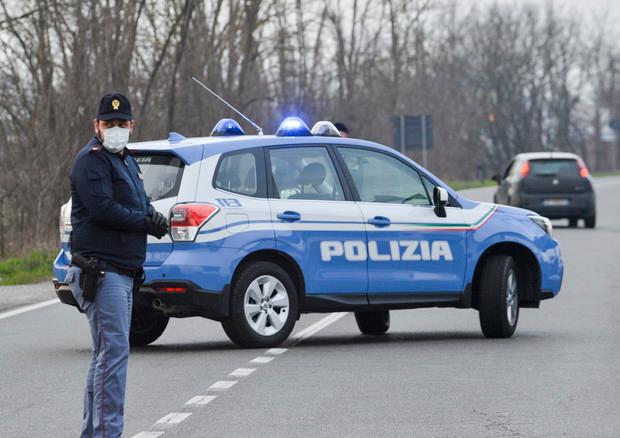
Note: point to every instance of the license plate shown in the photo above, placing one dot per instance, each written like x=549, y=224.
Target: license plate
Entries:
x=555, y=202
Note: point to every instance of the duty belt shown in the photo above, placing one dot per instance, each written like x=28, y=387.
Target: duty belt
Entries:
x=121, y=271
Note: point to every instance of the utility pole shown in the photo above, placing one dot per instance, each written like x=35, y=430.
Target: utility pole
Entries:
x=424, y=160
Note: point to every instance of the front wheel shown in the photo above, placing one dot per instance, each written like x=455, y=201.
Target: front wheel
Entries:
x=264, y=306
x=373, y=323
x=147, y=325
x=499, y=297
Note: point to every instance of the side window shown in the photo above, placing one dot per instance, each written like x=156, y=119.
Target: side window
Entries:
x=237, y=173
x=430, y=187
x=305, y=173
x=380, y=177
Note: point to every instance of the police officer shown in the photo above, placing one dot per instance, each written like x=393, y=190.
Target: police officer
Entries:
x=111, y=217
x=342, y=128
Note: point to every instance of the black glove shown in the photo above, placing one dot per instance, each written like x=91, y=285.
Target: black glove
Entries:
x=157, y=225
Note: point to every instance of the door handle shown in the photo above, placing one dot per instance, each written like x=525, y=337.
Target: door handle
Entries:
x=380, y=221
x=289, y=216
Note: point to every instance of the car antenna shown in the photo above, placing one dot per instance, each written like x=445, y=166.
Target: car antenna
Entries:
x=247, y=119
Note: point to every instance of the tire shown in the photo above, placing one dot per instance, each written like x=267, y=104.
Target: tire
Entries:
x=264, y=306
x=373, y=323
x=147, y=325
x=590, y=221
x=572, y=222
x=499, y=297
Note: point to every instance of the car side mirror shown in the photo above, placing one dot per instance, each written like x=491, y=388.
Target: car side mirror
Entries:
x=440, y=199
x=497, y=178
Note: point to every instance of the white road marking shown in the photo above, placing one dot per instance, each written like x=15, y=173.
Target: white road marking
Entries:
x=317, y=326
x=222, y=385
x=173, y=418
x=262, y=359
x=28, y=308
x=148, y=435
x=242, y=372
x=201, y=400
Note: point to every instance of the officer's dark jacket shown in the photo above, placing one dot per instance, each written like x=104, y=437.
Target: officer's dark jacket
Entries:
x=109, y=207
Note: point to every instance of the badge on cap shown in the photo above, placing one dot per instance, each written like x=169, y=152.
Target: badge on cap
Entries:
x=116, y=104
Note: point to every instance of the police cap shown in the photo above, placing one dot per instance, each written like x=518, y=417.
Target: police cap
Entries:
x=114, y=106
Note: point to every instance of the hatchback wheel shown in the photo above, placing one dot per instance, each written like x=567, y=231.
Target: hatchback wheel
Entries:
x=499, y=297
x=264, y=306
x=373, y=323
x=590, y=221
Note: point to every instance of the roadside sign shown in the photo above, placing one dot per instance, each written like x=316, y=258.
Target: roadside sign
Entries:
x=413, y=133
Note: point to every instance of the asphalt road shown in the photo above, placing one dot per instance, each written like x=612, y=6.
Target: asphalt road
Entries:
x=15, y=296
x=432, y=375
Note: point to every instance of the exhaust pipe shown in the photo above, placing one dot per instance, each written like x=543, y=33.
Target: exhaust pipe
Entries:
x=159, y=305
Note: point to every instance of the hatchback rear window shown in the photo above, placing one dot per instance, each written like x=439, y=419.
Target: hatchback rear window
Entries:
x=162, y=175
x=554, y=167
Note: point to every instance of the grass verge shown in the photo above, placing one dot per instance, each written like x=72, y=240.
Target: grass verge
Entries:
x=464, y=185
x=37, y=266
x=616, y=173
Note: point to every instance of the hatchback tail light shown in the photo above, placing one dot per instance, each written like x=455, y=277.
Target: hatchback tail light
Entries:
x=524, y=169
x=583, y=170
x=187, y=219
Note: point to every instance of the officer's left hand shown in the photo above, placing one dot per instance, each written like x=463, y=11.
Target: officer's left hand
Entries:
x=157, y=225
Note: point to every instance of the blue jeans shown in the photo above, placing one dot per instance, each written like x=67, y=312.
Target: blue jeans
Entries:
x=109, y=317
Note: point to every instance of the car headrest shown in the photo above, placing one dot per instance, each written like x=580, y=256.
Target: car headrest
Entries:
x=312, y=174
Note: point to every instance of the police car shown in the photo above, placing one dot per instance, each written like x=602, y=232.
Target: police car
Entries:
x=266, y=227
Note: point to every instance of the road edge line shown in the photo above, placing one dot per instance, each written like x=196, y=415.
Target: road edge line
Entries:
x=318, y=326
x=28, y=308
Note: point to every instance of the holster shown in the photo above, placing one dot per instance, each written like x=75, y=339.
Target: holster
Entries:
x=90, y=275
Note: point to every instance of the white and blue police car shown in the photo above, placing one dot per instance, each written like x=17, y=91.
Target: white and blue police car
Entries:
x=266, y=227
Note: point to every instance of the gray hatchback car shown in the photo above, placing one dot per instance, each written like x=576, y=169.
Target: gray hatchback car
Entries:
x=553, y=184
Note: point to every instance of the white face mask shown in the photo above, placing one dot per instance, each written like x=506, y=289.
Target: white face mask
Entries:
x=115, y=139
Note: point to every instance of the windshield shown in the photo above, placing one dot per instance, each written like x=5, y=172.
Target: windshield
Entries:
x=554, y=167
x=162, y=175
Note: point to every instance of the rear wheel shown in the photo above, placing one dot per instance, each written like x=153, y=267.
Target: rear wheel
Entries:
x=373, y=323
x=499, y=297
x=147, y=324
x=572, y=222
x=590, y=221
x=264, y=306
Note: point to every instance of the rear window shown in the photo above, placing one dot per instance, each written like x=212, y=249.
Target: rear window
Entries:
x=553, y=167
x=162, y=175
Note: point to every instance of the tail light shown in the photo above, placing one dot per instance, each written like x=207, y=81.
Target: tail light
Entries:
x=583, y=170
x=64, y=223
x=525, y=169
x=171, y=289
x=187, y=219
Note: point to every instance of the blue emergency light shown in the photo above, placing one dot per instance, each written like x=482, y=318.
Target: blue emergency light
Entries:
x=293, y=127
x=226, y=127
x=325, y=128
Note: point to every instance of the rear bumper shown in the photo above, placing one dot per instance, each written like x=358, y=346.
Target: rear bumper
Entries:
x=63, y=292
x=579, y=204
x=193, y=301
